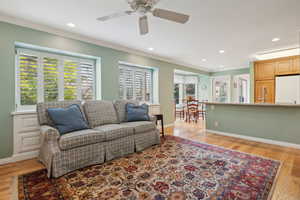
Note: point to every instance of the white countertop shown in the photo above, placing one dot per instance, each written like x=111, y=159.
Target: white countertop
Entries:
x=253, y=104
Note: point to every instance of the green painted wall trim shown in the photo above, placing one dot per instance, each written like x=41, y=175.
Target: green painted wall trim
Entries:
x=231, y=72
x=268, y=122
x=109, y=57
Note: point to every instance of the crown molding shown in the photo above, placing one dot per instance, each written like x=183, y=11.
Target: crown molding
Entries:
x=229, y=69
x=80, y=37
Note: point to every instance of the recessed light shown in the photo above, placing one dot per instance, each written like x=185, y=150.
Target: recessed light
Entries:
x=150, y=48
x=203, y=60
x=71, y=25
x=275, y=39
x=221, y=51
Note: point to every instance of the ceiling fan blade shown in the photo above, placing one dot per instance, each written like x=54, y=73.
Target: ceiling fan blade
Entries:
x=114, y=15
x=170, y=15
x=143, y=22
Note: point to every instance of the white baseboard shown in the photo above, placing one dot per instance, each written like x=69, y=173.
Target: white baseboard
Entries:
x=19, y=157
x=256, y=139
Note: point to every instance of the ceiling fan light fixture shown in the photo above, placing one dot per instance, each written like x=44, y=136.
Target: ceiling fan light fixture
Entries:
x=275, y=39
x=71, y=25
x=143, y=7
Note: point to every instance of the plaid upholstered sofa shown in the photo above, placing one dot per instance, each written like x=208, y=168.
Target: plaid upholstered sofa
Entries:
x=110, y=136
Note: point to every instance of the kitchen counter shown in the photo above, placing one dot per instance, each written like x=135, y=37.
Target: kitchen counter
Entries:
x=269, y=123
x=253, y=104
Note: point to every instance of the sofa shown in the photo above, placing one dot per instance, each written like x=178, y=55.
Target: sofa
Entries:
x=109, y=136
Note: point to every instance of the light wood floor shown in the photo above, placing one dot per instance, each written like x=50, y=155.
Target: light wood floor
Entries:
x=288, y=183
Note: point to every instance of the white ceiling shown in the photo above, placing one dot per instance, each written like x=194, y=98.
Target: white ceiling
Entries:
x=241, y=28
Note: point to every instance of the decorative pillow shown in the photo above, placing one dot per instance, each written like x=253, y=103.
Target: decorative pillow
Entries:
x=137, y=112
x=68, y=119
x=120, y=106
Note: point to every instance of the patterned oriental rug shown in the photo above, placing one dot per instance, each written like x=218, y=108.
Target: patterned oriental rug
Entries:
x=175, y=170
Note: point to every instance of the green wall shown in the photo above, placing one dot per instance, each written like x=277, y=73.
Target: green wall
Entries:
x=9, y=34
x=268, y=122
x=204, y=88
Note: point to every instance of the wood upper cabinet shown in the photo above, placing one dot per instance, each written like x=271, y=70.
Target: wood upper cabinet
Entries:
x=265, y=91
x=265, y=70
x=284, y=67
x=296, y=65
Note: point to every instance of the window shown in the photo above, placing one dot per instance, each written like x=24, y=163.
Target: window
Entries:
x=185, y=86
x=46, y=77
x=135, y=83
x=221, y=89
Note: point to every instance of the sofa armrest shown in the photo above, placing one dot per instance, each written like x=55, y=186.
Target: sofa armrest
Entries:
x=152, y=118
x=49, y=134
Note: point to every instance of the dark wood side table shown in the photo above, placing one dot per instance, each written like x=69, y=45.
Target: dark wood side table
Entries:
x=160, y=117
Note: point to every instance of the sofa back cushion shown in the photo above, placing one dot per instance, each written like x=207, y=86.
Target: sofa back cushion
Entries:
x=120, y=106
x=68, y=119
x=42, y=112
x=100, y=112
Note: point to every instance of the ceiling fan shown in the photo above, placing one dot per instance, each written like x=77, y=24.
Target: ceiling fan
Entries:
x=143, y=7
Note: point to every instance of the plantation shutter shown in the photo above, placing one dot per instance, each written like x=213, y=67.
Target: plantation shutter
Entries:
x=70, y=80
x=50, y=69
x=87, y=80
x=139, y=83
x=149, y=86
x=135, y=83
x=28, y=82
x=128, y=84
x=47, y=77
x=28, y=78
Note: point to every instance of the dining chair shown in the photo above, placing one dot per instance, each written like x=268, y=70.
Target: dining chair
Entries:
x=179, y=110
x=192, y=110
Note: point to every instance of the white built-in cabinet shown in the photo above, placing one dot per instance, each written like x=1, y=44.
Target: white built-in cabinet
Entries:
x=26, y=135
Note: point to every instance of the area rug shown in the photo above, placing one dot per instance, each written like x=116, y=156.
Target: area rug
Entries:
x=175, y=170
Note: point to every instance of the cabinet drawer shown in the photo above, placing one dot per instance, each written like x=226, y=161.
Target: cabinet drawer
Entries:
x=29, y=141
x=26, y=123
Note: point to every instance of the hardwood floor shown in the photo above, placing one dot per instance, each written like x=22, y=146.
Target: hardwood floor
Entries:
x=288, y=183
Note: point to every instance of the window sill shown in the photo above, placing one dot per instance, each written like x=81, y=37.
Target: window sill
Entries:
x=23, y=112
x=28, y=112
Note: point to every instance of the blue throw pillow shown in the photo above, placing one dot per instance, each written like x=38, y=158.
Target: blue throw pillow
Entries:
x=137, y=113
x=68, y=119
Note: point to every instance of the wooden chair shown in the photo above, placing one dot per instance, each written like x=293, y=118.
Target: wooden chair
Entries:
x=192, y=110
x=179, y=110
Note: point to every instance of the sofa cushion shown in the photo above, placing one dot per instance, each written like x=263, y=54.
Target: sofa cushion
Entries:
x=120, y=106
x=100, y=113
x=115, y=131
x=80, y=138
x=140, y=126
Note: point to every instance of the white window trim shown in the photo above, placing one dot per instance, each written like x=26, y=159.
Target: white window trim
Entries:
x=226, y=78
x=40, y=98
x=182, y=88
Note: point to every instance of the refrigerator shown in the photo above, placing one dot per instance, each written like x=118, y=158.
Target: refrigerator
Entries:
x=287, y=89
